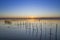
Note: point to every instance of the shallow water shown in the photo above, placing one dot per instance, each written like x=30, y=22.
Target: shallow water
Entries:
x=30, y=30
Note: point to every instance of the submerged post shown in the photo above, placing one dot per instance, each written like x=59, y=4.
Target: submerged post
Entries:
x=50, y=33
x=41, y=33
x=45, y=32
x=56, y=32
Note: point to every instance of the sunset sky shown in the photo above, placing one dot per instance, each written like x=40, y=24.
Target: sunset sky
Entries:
x=40, y=8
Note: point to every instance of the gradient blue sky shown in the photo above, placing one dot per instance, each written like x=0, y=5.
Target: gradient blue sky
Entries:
x=41, y=8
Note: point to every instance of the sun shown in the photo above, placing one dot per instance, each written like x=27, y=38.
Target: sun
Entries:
x=32, y=17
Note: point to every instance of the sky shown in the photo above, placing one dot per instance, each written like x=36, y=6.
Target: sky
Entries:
x=39, y=8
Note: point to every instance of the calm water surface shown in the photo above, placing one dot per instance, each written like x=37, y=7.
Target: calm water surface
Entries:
x=30, y=30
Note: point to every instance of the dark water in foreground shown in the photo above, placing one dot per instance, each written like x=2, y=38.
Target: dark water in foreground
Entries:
x=30, y=30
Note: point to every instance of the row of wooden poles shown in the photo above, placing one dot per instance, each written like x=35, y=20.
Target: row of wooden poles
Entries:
x=45, y=32
x=41, y=31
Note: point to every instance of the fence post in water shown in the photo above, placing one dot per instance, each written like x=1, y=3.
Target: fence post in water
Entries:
x=41, y=33
x=36, y=31
x=33, y=30
x=45, y=31
x=26, y=27
x=50, y=33
x=56, y=32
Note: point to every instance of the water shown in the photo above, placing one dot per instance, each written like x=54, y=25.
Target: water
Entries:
x=30, y=30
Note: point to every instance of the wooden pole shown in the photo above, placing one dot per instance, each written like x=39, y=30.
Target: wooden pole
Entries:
x=56, y=33
x=41, y=33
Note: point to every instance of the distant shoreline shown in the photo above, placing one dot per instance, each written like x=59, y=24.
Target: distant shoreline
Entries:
x=32, y=18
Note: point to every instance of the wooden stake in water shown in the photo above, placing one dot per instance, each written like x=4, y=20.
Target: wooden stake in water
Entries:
x=36, y=31
x=50, y=33
x=41, y=33
x=33, y=31
x=45, y=32
x=56, y=32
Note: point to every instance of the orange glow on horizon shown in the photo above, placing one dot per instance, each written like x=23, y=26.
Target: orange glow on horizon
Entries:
x=26, y=17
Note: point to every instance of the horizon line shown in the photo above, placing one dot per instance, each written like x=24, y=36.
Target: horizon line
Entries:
x=5, y=18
